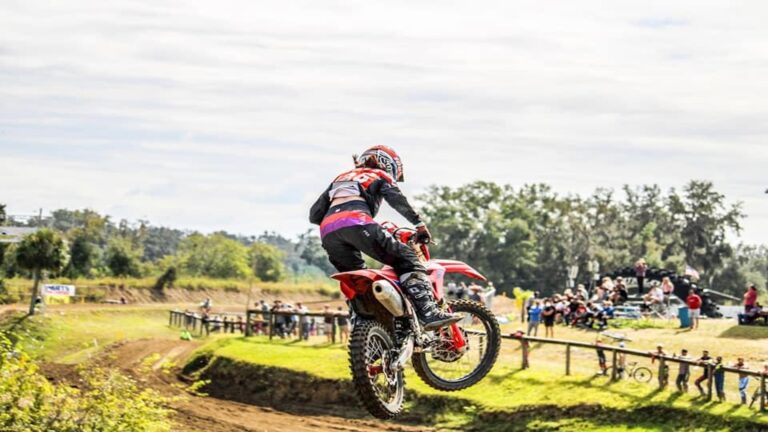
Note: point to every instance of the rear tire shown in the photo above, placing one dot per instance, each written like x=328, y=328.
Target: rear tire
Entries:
x=369, y=347
x=489, y=353
x=642, y=374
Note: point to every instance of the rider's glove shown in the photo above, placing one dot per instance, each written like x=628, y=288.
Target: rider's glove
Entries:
x=422, y=234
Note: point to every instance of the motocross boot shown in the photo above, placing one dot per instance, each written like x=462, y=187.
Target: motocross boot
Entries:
x=419, y=290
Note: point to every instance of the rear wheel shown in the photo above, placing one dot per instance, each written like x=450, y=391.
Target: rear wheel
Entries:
x=371, y=354
x=444, y=367
x=642, y=374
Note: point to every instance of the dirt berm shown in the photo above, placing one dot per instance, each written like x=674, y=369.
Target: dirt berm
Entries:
x=302, y=393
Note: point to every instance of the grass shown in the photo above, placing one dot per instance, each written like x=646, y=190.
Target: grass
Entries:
x=71, y=337
x=21, y=286
x=507, y=388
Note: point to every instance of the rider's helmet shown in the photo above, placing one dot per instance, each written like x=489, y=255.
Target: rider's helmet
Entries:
x=383, y=158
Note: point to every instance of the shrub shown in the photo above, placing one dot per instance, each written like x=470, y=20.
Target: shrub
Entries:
x=106, y=400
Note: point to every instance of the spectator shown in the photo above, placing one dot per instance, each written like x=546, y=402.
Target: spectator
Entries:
x=704, y=361
x=664, y=372
x=620, y=294
x=655, y=297
x=342, y=320
x=534, y=316
x=451, y=289
x=206, y=305
x=750, y=298
x=303, y=321
x=694, y=308
x=548, y=315
x=239, y=324
x=751, y=316
x=328, y=321
x=743, y=379
x=719, y=376
x=605, y=314
x=461, y=291
x=601, y=357
x=640, y=268
x=684, y=373
x=668, y=288
x=581, y=290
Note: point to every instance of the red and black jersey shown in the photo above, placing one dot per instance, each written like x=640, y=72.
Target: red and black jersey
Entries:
x=372, y=185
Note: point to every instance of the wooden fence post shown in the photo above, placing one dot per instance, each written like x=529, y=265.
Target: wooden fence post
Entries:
x=271, y=325
x=170, y=318
x=567, y=359
x=711, y=372
x=248, y=328
x=333, y=330
x=524, y=345
x=613, y=369
x=762, y=393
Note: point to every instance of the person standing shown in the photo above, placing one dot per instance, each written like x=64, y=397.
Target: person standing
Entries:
x=328, y=321
x=548, y=315
x=704, y=361
x=719, y=376
x=684, y=373
x=743, y=379
x=303, y=321
x=663, y=372
x=694, y=308
x=342, y=320
x=601, y=361
x=750, y=298
x=534, y=317
x=640, y=268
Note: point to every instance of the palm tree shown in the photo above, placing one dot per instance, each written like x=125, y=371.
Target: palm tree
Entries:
x=39, y=251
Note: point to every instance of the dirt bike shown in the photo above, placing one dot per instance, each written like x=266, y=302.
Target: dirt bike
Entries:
x=386, y=333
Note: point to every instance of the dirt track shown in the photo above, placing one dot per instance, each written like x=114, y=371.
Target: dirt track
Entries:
x=208, y=414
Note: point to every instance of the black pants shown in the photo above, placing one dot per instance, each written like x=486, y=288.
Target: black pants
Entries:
x=346, y=246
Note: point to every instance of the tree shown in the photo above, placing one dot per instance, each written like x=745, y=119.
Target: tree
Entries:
x=704, y=219
x=3, y=246
x=267, y=262
x=214, y=256
x=83, y=256
x=40, y=251
x=310, y=249
x=122, y=258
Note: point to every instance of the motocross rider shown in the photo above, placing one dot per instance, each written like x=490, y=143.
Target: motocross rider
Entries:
x=345, y=212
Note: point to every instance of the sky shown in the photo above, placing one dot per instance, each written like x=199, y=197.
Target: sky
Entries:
x=236, y=115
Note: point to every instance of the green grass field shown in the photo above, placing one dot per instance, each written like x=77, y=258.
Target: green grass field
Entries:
x=508, y=388
x=551, y=400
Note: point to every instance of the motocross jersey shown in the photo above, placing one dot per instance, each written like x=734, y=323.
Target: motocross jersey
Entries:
x=372, y=185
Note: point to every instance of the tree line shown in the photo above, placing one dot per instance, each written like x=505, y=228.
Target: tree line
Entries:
x=94, y=246
x=524, y=237
x=529, y=236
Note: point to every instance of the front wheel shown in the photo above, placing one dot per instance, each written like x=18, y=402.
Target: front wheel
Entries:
x=371, y=355
x=446, y=368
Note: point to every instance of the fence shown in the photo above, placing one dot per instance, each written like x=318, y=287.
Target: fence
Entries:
x=268, y=320
x=254, y=319
x=663, y=372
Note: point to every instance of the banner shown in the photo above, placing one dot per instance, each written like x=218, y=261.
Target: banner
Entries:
x=58, y=294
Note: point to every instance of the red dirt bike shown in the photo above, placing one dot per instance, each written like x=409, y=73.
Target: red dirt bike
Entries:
x=386, y=333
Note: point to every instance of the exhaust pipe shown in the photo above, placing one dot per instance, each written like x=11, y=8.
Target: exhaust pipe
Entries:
x=389, y=297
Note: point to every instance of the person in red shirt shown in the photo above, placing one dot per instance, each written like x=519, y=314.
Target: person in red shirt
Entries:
x=694, y=308
x=750, y=298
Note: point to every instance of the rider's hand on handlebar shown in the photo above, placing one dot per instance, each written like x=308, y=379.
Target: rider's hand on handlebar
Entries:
x=422, y=234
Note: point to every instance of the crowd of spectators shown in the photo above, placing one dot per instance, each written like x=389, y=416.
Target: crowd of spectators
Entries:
x=575, y=308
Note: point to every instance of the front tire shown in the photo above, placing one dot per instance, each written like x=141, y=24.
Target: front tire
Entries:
x=370, y=353
x=483, y=336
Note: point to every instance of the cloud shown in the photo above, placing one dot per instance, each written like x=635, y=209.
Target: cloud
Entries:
x=235, y=114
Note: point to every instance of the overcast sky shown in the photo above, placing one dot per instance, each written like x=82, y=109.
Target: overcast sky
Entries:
x=236, y=114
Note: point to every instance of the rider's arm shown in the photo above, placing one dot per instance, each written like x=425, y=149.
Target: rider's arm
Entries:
x=395, y=198
x=320, y=208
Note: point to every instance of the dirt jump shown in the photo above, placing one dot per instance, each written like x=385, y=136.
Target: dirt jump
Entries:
x=147, y=361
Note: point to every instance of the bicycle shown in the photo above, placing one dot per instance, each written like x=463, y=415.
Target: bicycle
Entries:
x=756, y=395
x=640, y=374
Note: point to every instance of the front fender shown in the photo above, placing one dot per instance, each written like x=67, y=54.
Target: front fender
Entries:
x=453, y=266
